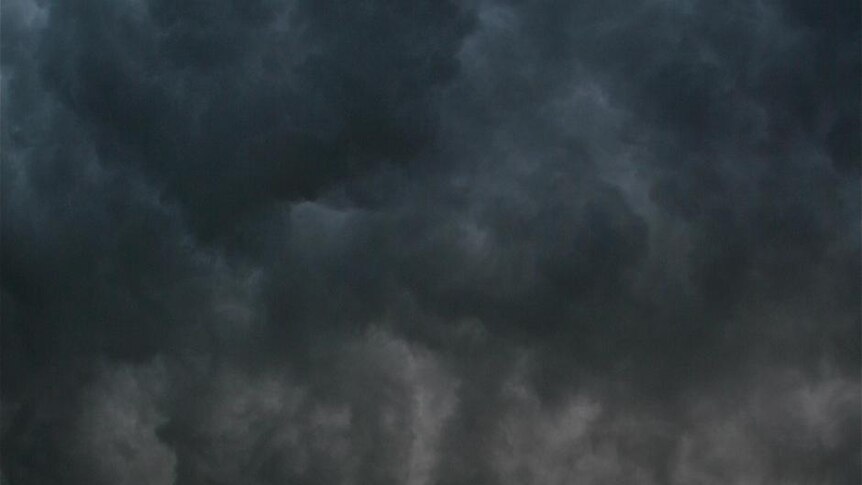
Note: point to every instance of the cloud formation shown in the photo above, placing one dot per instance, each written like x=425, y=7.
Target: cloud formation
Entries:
x=289, y=241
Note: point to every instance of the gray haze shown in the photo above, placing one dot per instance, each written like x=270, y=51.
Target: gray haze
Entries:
x=376, y=242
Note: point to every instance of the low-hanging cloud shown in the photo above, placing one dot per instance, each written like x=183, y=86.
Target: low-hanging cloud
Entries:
x=287, y=241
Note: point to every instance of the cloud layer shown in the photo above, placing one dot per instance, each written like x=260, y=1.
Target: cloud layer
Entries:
x=269, y=242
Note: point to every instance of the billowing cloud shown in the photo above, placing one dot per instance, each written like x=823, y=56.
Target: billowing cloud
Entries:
x=430, y=242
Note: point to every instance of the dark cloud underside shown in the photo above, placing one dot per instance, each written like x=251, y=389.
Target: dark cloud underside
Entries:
x=267, y=242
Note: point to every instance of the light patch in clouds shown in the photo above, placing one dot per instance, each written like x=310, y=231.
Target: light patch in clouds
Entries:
x=117, y=430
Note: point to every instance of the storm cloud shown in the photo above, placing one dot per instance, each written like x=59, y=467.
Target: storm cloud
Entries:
x=484, y=242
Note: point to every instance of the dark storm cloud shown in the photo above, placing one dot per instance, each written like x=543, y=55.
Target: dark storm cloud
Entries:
x=232, y=105
x=371, y=242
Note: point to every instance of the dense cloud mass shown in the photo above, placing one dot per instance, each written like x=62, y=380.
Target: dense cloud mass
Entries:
x=487, y=242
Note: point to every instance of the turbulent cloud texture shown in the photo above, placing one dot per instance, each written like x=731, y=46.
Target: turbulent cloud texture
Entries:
x=486, y=242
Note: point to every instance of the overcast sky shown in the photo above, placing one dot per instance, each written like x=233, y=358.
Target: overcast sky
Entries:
x=266, y=242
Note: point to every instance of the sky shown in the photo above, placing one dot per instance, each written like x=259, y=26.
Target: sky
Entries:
x=260, y=242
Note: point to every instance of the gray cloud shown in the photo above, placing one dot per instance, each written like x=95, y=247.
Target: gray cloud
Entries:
x=486, y=242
